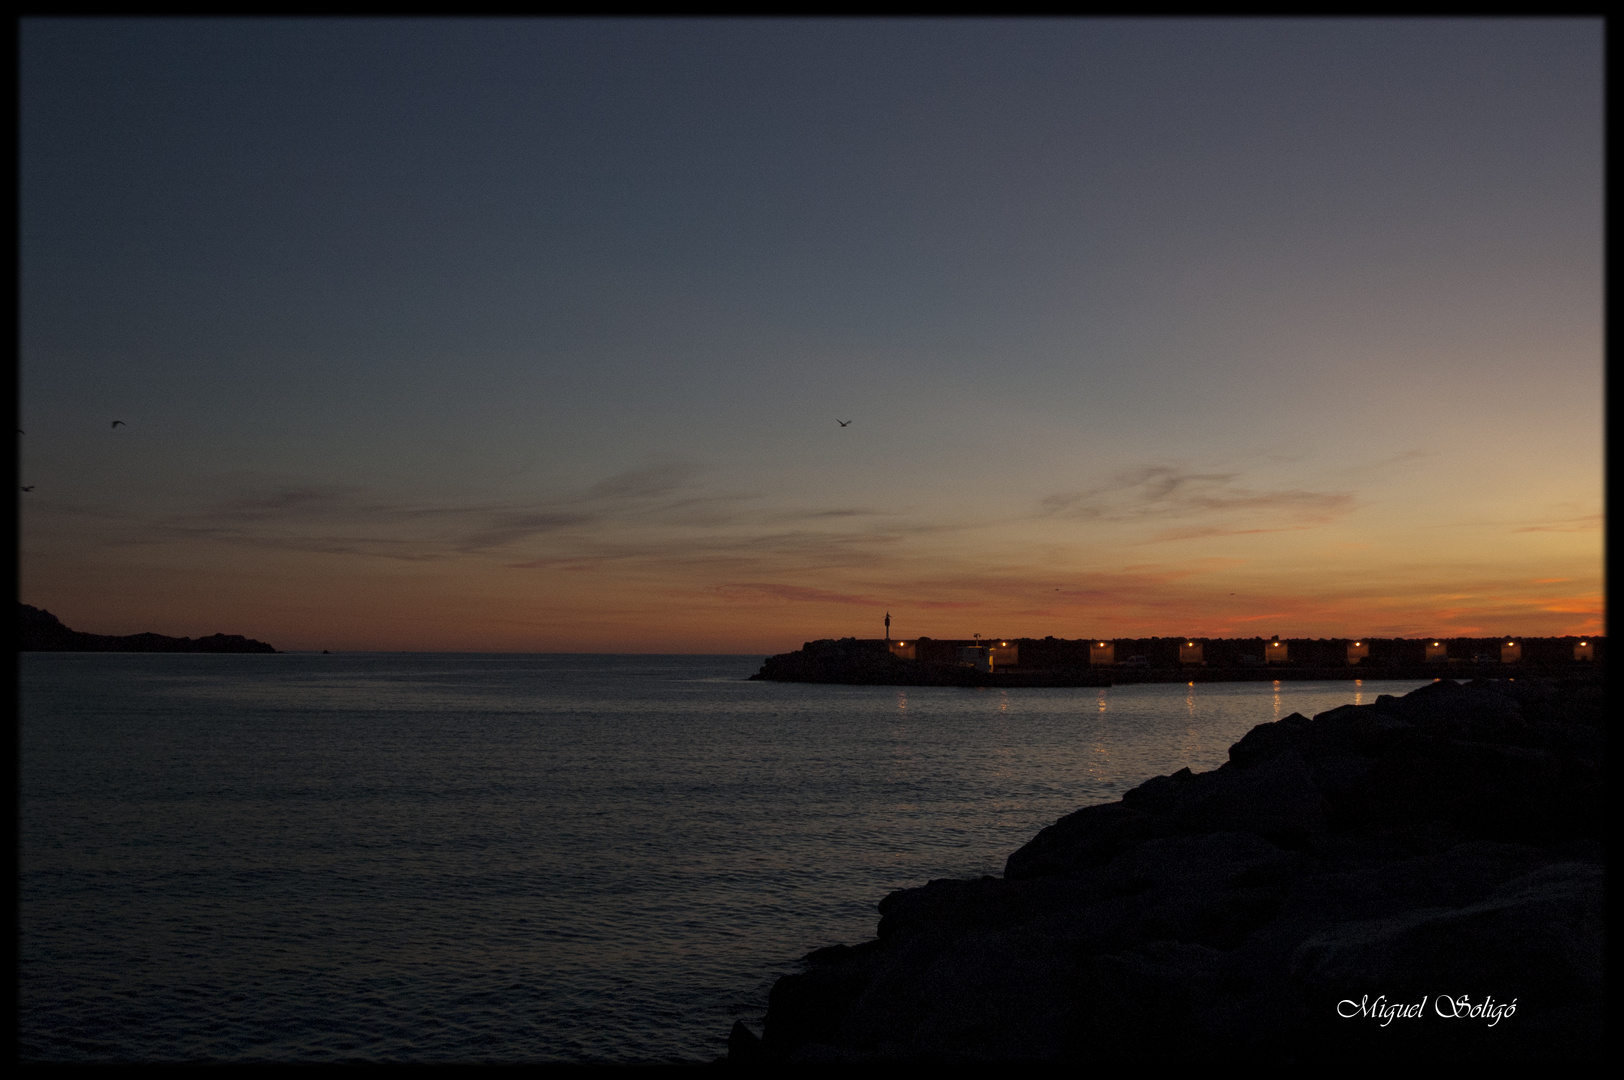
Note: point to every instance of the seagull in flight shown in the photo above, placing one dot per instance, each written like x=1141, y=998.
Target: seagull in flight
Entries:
x=28, y=487
x=842, y=423
x=120, y=423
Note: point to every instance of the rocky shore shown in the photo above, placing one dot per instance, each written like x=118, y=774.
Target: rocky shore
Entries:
x=1416, y=878
x=40, y=631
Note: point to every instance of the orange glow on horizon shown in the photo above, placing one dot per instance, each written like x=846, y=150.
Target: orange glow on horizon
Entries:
x=672, y=601
x=736, y=439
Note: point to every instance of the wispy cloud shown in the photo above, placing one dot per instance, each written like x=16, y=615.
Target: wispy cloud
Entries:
x=650, y=482
x=795, y=593
x=1566, y=517
x=900, y=594
x=824, y=515
x=748, y=546
x=352, y=520
x=1582, y=523
x=1163, y=492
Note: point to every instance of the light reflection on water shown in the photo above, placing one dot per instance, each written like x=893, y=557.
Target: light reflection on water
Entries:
x=555, y=858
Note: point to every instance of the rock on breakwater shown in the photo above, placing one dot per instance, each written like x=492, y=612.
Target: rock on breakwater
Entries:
x=1435, y=846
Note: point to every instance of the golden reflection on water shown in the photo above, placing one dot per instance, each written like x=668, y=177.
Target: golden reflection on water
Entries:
x=1358, y=691
x=1277, y=699
x=901, y=756
x=1097, y=765
x=1192, y=737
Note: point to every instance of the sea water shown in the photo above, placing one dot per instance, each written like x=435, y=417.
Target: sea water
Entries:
x=517, y=858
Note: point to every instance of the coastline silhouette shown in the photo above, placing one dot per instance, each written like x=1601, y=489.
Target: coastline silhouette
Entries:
x=40, y=631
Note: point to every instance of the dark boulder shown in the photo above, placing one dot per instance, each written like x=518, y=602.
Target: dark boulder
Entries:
x=1444, y=843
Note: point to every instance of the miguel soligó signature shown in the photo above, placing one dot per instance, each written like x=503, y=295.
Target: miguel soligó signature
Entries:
x=1458, y=1008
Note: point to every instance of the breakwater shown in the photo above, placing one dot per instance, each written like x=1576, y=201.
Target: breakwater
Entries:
x=1014, y=662
x=1419, y=878
x=867, y=663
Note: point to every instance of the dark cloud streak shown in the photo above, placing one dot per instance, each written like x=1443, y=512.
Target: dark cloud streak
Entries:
x=655, y=515
x=1163, y=491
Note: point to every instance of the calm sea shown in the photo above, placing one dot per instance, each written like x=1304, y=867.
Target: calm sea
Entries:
x=516, y=858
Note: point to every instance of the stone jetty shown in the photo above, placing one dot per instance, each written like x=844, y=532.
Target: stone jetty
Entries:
x=866, y=663
x=1086, y=662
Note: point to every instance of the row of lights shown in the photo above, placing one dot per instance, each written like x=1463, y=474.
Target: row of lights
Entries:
x=1191, y=644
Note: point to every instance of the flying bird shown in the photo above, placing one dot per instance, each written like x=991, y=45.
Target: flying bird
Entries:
x=28, y=487
x=120, y=423
x=842, y=423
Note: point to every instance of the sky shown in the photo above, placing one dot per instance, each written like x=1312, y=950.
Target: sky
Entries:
x=533, y=336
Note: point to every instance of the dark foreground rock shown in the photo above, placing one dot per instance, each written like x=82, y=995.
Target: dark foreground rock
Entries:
x=1438, y=854
x=40, y=631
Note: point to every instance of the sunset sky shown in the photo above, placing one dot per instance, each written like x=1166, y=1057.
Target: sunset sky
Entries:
x=532, y=336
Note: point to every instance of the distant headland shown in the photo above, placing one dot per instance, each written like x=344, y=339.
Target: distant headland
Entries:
x=40, y=631
x=1050, y=661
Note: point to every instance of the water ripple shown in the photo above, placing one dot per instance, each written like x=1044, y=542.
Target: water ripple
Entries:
x=512, y=858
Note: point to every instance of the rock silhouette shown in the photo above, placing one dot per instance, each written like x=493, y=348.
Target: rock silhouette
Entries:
x=1410, y=852
x=40, y=631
